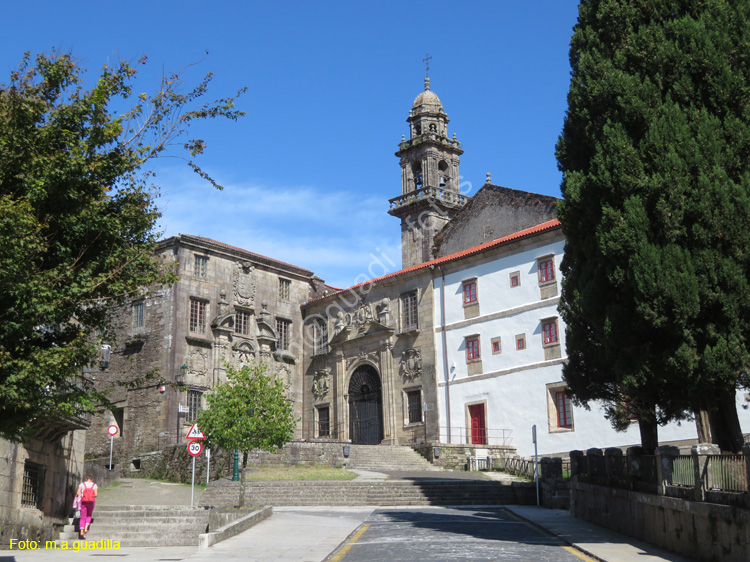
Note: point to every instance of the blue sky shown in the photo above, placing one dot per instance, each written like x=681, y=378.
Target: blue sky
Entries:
x=309, y=171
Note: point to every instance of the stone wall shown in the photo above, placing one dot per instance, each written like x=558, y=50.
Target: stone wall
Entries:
x=61, y=470
x=174, y=464
x=456, y=457
x=703, y=531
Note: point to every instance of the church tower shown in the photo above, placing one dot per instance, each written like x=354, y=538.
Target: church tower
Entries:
x=429, y=178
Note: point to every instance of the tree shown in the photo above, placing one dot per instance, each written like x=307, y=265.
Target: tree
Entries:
x=77, y=219
x=655, y=154
x=248, y=411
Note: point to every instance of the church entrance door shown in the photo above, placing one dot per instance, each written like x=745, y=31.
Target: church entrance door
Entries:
x=365, y=407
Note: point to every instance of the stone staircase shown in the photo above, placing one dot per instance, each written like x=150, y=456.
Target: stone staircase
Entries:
x=388, y=458
x=223, y=493
x=148, y=525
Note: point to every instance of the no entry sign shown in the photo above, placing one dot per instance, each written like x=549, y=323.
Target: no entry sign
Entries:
x=195, y=448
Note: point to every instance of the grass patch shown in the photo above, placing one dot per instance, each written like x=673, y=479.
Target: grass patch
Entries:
x=276, y=473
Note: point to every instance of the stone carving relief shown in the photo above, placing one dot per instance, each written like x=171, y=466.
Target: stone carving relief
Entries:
x=363, y=355
x=321, y=385
x=244, y=284
x=197, y=361
x=285, y=374
x=243, y=354
x=411, y=364
x=362, y=315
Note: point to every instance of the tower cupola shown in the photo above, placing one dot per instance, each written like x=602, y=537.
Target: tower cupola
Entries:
x=429, y=177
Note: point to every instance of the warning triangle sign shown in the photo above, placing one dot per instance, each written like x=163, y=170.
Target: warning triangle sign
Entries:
x=195, y=433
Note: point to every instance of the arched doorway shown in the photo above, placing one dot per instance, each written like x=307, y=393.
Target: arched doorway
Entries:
x=365, y=406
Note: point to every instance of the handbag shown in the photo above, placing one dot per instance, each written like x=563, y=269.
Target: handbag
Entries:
x=77, y=507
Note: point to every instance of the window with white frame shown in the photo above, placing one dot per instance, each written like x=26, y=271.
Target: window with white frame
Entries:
x=201, y=267
x=409, y=312
x=197, y=323
x=283, y=330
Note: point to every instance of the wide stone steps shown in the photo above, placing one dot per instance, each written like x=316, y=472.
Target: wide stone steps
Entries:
x=149, y=525
x=388, y=458
x=387, y=493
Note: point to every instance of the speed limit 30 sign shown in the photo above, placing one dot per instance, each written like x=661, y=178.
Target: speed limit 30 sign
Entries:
x=195, y=448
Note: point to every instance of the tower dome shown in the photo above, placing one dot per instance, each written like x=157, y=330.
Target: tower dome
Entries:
x=427, y=101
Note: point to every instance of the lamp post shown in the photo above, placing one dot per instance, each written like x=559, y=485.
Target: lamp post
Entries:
x=179, y=378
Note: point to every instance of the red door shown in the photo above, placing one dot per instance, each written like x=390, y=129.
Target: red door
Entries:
x=478, y=429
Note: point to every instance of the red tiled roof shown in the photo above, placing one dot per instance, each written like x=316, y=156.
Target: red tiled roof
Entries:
x=543, y=227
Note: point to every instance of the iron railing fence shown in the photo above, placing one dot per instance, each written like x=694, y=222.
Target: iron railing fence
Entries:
x=683, y=471
x=489, y=437
x=727, y=473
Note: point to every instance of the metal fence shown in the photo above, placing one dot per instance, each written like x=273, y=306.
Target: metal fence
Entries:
x=490, y=437
x=727, y=473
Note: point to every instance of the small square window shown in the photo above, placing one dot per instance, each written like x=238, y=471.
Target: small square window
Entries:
x=496, y=348
x=472, y=349
x=470, y=292
x=515, y=279
x=201, y=267
x=521, y=342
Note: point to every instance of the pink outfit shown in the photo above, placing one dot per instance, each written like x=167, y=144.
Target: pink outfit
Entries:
x=87, y=507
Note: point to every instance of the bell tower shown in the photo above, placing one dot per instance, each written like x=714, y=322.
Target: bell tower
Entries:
x=429, y=178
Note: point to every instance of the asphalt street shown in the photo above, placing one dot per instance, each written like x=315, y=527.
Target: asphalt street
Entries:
x=451, y=534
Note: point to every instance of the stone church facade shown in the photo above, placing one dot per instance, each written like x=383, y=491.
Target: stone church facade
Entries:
x=229, y=307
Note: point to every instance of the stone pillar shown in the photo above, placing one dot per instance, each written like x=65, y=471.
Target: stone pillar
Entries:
x=700, y=454
x=595, y=461
x=550, y=468
x=576, y=460
x=342, y=395
x=634, y=463
x=665, y=456
x=389, y=394
x=613, y=459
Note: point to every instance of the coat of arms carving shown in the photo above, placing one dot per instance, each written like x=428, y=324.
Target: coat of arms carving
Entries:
x=411, y=364
x=244, y=284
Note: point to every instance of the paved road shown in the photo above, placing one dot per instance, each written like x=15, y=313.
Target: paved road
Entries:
x=451, y=534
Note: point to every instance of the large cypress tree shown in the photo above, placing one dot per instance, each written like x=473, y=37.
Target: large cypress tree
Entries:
x=655, y=154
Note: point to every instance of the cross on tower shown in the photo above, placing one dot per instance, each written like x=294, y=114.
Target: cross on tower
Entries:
x=426, y=61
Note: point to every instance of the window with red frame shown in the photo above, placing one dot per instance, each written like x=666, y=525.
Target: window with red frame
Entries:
x=515, y=280
x=564, y=410
x=472, y=349
x=547, y=270
x=470, y=292
x=549, y=332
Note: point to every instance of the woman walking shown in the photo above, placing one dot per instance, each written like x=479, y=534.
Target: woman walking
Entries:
x=87, y=491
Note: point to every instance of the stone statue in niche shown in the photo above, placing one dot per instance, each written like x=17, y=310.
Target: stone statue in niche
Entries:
x=411, y=364
x=244, y=284
x=321, y=385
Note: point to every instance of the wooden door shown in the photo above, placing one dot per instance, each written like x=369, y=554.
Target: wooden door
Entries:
x=478, y=428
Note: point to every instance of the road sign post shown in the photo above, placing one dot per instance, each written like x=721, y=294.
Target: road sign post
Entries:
x=208, y=462
x=195, y=448
x=112, y=430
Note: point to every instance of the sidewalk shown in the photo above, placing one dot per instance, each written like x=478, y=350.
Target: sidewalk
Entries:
x=591, y=539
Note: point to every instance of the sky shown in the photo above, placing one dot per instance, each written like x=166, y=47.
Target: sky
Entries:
x=308, y=172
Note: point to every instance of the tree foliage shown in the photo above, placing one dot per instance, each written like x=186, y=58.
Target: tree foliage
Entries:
x=655, y=153
x=248, y=411
x=77, y=218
